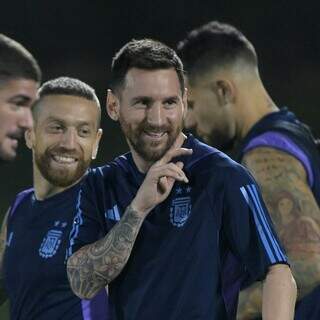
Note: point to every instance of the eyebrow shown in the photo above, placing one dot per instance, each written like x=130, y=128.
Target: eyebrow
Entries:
x=20, y=97
x=79, y=123
x=140, y=98
x=147, y=98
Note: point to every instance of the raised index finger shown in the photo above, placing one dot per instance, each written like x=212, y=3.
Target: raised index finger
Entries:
x=172, y=153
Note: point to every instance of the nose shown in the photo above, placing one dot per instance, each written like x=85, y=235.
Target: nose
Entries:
x=189, y=120
x=26, y=121
x=69, y=139
x=156, y=115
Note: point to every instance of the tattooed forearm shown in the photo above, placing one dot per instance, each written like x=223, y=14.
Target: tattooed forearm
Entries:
x=94, y=266
x=294, y=211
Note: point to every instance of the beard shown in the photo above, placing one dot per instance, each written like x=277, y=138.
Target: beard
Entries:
x=220, y=140
x=63, y=176
x=150, y=151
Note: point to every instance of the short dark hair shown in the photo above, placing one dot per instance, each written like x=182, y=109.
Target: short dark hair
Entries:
x=16, y=62
x=144, y=54
x=215, y=44
x=67, y=86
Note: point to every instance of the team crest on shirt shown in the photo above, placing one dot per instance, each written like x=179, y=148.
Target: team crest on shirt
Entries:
x=52, y=240
x=180, y=208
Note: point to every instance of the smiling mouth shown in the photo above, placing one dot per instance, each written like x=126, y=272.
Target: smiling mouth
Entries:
x=154, y=135
x=64, y=159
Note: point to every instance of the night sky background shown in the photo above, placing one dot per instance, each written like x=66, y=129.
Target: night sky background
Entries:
x=78, y=38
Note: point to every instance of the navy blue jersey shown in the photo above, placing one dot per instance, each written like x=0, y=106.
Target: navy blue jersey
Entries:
x=34, y=262
x=282, y=130
x=194, y=250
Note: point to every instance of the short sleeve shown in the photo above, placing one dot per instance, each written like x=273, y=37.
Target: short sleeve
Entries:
x=87, y=227
x=248, y=226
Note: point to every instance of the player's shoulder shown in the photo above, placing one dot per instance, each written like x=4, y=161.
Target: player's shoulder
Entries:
x=215, y=168
x=20, y=198
x=110, y=170
x=207, y=158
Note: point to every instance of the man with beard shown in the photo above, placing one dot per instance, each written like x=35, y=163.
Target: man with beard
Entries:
x=19, y=79
x=188, y=237
x=63, y=141
x=229, y=106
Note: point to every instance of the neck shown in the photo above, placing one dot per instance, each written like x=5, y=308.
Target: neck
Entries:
x=144, y=165
x=255, y=104
x=43, y=189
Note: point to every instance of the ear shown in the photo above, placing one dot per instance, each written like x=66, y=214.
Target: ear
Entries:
x=29, y=138
x=113, y=105
x=185, y=102
x=96, y=144
x=225, y=91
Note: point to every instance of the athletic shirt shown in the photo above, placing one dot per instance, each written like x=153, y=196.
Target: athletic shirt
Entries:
x=194, y=250
x=34, y=262
x=283, y=131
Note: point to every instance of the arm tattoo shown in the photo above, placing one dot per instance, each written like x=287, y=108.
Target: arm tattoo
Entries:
x=293, y=209
x=95, y=265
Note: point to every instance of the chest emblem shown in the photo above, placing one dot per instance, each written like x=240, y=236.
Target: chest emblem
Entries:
x=180, y=208
x=52, y=240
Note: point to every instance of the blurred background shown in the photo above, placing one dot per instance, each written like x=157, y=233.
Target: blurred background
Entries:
x=78, y=38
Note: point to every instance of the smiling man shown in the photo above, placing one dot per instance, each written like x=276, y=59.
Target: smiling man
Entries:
x=63, y=141
x=171, y=243
x=19, y=79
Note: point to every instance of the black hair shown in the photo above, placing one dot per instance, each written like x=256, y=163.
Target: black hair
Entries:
x=67, y=86
x=215, y=44
x=144, y=54
x=16, y=62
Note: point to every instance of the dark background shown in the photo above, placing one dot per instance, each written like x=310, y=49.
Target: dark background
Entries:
x=79, y=37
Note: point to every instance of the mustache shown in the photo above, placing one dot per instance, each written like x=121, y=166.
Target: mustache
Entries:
x=17, y=134
x=64, y=151
x=156, y=129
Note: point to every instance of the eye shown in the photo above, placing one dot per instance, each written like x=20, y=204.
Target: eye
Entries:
x=84, y=132
x=142, y=103
x=55, y=128
x=170, y=103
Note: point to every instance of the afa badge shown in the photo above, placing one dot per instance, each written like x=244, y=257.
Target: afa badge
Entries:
x=180, y=211
x=51, y=242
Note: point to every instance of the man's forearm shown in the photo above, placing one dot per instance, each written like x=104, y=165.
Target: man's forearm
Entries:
x=279, y=294
x=96, y=265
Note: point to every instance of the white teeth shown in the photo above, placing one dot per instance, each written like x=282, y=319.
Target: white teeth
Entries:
x=64, y=159
x=156, y=134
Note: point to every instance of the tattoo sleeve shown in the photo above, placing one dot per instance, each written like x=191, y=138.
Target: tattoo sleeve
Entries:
x=95, y=265
x=294, y=211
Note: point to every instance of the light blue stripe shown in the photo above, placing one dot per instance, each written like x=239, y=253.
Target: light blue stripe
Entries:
x=116, y=213
x=259, y=227
x=75, y=228
x=255, y=194
x=111, y=214
x=264, y=223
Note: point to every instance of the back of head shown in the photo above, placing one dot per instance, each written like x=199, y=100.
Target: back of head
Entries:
x=144, y=54
x=16, y=62
x=215, y=45
x=66, y=86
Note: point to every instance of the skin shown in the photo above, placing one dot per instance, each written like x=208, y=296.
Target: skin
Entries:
x=16, y=99
x=64, y=125
x=64, y=139
x=224, y=104
x=151, y=100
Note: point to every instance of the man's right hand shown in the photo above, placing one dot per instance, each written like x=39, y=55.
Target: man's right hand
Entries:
x=159, y=181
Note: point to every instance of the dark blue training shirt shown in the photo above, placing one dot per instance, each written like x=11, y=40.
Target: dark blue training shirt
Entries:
x=34, y=262
x=194, y=250
x=282, y=130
